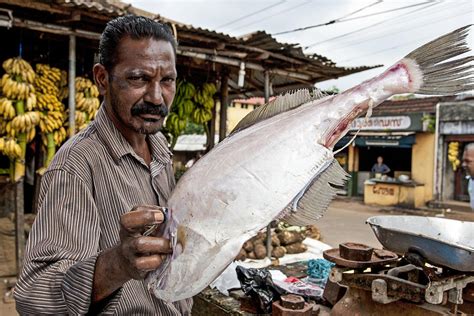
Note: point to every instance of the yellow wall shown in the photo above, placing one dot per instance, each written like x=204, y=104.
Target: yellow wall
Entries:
x=393, y=194
x=234, y=114
x=422, y=162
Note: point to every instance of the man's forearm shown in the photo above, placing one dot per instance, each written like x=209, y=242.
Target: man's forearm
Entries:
x=108, y=275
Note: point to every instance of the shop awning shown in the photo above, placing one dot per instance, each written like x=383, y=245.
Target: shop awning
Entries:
x=400, y=140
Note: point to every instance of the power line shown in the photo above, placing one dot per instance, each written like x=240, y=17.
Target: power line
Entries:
x=407, y=43
x=250, y=14
x=370, y=26
x=399, y=30
x=270, y=16
x=340, y=20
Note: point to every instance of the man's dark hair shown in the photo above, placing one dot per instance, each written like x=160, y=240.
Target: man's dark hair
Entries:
x=137, y=27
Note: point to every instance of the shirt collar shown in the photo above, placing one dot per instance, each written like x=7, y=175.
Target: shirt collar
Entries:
x=118, y=146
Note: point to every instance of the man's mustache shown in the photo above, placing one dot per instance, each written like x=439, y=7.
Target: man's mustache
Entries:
x=148, y=108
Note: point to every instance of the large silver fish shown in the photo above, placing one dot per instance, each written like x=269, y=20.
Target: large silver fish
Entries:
x=279, y=163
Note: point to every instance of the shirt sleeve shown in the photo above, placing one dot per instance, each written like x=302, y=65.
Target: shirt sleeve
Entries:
x=61, y=251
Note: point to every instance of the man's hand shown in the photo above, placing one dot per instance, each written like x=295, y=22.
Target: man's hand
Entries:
x=134, y=256
x=140, y=254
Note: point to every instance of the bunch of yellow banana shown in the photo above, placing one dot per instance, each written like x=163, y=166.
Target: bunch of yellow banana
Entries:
x=49, y=102
x=59, y=135
x=453, y=155
x=49, y=121
x=53, y=74
x=81, y=119
x=25, y=122
x=87, y=101
x=8, y=129
x=20, y=69
x=46, y=86
x=10, y=148
x=16, y=90
x=7, y=110
x=87, y=104
x=63, y=89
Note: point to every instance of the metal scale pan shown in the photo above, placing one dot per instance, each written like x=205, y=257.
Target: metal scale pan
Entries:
x=440, y=241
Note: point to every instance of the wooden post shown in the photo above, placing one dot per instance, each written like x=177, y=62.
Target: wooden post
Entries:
x=224, y=104
x=266, y=92
x=212, y=128
x=72, y=86
x=19, y=224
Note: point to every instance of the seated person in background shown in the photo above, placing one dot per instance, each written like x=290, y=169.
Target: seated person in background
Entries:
x=380, y=167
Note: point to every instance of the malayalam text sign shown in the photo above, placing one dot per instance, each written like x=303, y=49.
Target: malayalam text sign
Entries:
x=381, y=123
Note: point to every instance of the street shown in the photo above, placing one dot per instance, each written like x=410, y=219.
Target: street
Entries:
x=345, y=221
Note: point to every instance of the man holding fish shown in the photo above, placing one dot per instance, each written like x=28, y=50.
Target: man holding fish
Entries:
x=98, y=231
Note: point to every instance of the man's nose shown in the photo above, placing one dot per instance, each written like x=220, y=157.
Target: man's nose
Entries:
x=154, y=93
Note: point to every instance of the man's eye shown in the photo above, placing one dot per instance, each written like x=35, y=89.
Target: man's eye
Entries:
x=137, y=78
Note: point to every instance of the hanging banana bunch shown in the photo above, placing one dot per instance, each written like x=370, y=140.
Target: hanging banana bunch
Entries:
x=87, y=102
x=53, y=115
x=181, y=109
x=18, y=116
x=453, y=155
x=204, y=100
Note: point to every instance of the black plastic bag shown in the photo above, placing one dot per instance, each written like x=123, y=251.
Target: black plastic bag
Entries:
x=258, y=284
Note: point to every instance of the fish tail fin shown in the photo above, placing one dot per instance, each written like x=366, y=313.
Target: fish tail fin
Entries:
x=439, y=73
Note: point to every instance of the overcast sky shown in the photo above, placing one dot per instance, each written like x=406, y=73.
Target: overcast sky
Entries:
x=366, y=32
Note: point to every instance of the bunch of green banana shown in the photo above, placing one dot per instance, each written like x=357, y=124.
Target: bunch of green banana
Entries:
x=181, y=108
x=87, y=101
x=204, y=100
x=10, y=148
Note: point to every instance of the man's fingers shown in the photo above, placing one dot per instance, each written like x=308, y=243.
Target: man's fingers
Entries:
x=148, y=263
x=140, y=217
x=151, y=245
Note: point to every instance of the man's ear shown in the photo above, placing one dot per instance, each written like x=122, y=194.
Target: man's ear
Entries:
x=101, y=78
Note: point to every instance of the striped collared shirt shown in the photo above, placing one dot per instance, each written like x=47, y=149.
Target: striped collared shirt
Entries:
x=94, y=178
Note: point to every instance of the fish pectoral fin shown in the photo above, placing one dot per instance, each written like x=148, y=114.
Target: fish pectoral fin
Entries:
x=311, y=203
x=279, y=105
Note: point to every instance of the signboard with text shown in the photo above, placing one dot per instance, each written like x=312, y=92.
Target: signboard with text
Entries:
x=382, y=123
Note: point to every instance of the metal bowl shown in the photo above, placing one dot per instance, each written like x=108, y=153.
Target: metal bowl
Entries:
x=440, y=241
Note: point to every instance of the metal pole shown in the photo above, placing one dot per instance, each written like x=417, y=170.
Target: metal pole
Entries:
x=266, y=93
x=71, y=86
x=224, y=104
x=19, y=224
x=437, y=158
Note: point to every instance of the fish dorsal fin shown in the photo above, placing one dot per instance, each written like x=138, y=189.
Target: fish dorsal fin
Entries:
x=311, y=203
x=279, y=105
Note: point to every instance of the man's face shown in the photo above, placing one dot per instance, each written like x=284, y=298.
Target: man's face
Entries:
x=141, y=85
x=380, y=160
x=468, y=161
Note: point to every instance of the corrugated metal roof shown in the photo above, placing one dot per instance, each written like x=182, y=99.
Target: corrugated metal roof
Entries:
x=416, y=105
x=109, y=7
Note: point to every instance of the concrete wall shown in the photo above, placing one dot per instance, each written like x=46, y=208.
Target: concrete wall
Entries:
x=235, y=113
x=423, y=162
